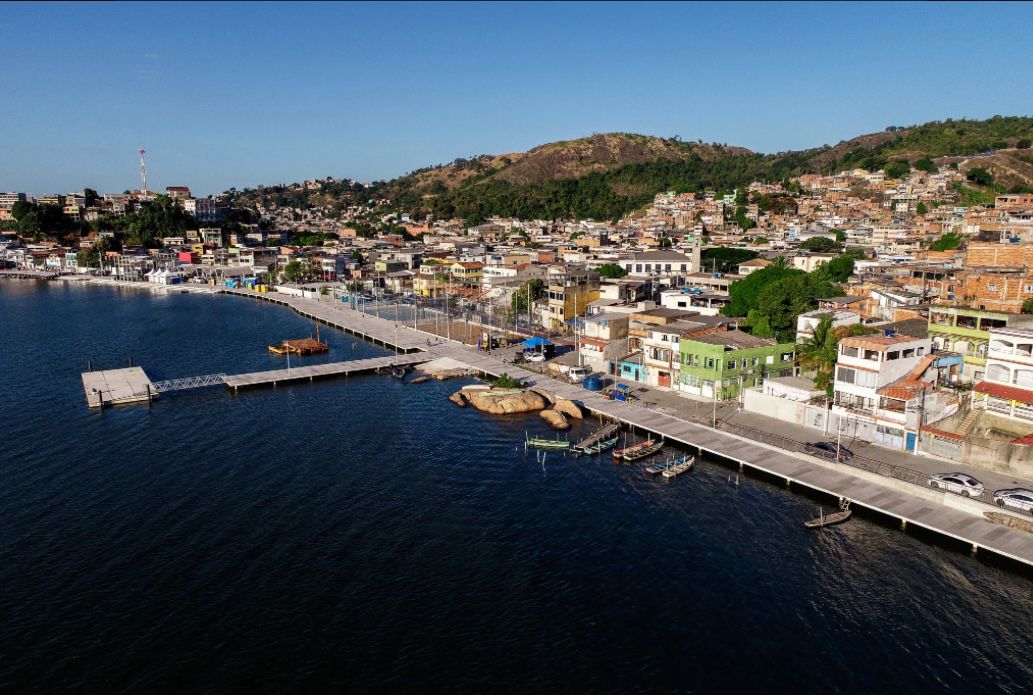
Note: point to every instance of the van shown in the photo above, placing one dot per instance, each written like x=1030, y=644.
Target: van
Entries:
x=577, y=374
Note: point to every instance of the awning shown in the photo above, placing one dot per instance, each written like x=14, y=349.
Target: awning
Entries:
x=536, y=341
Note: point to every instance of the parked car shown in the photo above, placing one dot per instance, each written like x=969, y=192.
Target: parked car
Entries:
x=827, y=450
x=577, y=374
x=1015, y=498
x=958, y=483
x=535, y=357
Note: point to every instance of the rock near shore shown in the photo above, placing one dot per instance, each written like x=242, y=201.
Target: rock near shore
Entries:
x=568, y=408
x=556, y=419
x=504, y=401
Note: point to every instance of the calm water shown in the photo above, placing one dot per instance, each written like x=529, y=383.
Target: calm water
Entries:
x=365, y=535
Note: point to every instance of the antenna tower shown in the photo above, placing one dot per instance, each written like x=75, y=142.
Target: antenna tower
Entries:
x=143, y=169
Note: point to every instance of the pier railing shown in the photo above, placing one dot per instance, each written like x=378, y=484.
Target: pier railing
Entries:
x=888, y=470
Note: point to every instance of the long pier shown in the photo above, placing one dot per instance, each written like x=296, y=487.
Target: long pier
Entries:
x=940, y=512
x=321, y=371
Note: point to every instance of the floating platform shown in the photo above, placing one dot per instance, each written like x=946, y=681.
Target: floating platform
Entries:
x=117, y=386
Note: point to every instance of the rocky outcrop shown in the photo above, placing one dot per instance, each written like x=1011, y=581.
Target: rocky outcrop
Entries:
x=504, y=401
x=549, y=397
x=568, y=408
x=459, y=398
x=556, y=419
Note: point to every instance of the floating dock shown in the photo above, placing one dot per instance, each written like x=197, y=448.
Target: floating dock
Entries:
x=117, y=386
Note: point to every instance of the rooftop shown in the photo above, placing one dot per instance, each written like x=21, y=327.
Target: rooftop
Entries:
x=735, y=340
x=877, y=342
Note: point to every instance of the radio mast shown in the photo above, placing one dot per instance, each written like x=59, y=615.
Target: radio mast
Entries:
x=143, y=170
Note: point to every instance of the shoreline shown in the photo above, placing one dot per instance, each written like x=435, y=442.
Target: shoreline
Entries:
x=961, y=520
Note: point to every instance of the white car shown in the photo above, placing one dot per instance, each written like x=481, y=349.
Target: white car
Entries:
x=577, y=374
x=1016, y=498
x=958, y=483
x=535, y=357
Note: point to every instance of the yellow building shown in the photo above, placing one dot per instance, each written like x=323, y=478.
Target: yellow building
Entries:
x=568, y=296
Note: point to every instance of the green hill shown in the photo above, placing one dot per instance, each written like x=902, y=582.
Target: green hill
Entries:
x=605, y=176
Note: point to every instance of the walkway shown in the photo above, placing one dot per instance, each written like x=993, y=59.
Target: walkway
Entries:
x=923, y=508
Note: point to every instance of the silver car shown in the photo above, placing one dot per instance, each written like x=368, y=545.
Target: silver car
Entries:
x=1016, y=498
x=958, y=483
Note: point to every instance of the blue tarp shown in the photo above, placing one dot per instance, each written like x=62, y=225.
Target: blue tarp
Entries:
x=536, y=341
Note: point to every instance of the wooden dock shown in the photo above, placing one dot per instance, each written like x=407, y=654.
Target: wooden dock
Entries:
x=117, y=386
x=322, y=371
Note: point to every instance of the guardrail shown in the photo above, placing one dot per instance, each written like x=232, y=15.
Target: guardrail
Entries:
x=190, y=382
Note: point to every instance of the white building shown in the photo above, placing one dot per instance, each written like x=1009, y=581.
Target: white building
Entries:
x=1007, y=388
x=666, y=267
x=807, y=322
x=604, y=340
x=880, y=395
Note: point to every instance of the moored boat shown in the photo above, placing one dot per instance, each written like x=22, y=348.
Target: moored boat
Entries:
x=618, y=454
x=678, y=466
x=599, y=447
x=643, y=452
x=543, y=443
x=824, y=519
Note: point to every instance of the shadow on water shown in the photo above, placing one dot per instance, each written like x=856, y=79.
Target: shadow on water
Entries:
x=363, y=534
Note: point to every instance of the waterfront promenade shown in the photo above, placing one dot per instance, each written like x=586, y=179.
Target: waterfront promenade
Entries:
x=945, y=514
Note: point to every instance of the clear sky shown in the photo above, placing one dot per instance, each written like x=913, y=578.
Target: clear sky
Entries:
x=226, y=95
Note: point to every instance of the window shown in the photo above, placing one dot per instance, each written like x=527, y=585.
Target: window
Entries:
x=731, y=364
x=786, y=356
x=683, y=269
x=848, y=351
x=1027, y=288
x=910, y=352
x=756, y=361
x=770, y=359
x=845, y=374
x=920, y=351
x=895, y=354
x=991, y=287
x=668, y=268
x=710, y=363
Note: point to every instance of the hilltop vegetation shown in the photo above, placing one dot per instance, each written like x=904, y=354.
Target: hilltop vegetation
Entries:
x=606, y=176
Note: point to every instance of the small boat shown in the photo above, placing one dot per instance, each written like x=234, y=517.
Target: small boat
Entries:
x=398, y=372
x=599, y=447
x=543, y=443
x=679, y=466
x=420, y=379
x=618, y=454
x=643, y=452
x=824, y=519
x=303, y=346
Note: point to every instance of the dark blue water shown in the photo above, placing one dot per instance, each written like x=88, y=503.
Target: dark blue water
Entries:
x=366, y=535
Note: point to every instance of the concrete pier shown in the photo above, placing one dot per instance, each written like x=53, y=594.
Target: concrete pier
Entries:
x=319, y=371
x=911, y=505
x=117, y=386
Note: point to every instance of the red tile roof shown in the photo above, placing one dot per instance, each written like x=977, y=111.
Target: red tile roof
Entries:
x=1011, y=393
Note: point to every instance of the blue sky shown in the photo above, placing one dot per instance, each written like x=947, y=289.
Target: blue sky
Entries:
x=228, y=95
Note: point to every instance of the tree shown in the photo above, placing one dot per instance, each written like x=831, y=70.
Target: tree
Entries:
x=818, y=353
x=665, y=243
x=744, y=294
x=819, y=244
x=293, y=271
x=839, y=269
x=725, y=259
x=611, y=270
x=1023, y=144
x=90, y=257
x=519, y=302
x=980, y=176
x=921, y=209
x=897, y=170
x=840, y=235
x=21, y=209
x=947, y=242
x=925, y=164
x=1027, y=306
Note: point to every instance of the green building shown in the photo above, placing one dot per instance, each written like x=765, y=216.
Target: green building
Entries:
x=967, y=332
x=732, y=360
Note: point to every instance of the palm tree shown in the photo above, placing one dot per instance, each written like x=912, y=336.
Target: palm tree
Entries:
x=818, y=352
x=780, y=263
